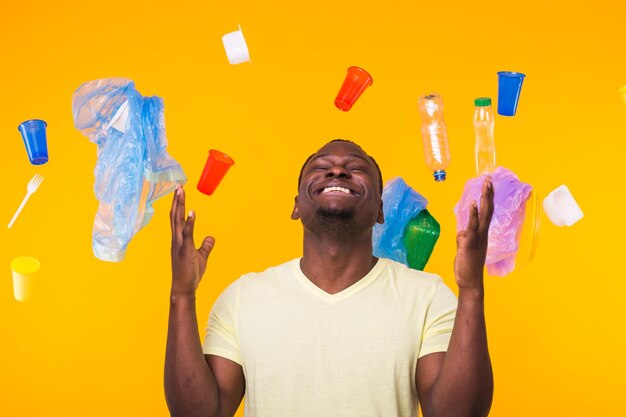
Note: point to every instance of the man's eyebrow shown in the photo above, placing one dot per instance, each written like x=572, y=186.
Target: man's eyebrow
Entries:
x=354, y=155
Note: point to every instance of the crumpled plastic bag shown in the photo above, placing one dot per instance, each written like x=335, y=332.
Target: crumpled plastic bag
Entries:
x=133, y=167
x=510, y=195
x=400, y=204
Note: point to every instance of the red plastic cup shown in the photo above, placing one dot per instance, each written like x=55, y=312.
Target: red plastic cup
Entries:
x=357, y=80
x=215, y=168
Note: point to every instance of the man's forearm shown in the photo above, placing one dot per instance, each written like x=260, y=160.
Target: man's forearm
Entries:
x=464, y=387
x=190, y=387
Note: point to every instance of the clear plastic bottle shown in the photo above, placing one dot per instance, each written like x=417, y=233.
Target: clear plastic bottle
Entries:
x=485, y=150
x=434, y=135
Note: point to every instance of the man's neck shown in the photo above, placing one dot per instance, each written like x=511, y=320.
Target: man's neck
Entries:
x=334, y=266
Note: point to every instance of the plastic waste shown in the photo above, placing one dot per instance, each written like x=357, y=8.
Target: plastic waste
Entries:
x=34, y=136
x=561, y=207
x=434, y=135
x=510, y=195
x=529, y=235
x=215, y=168
x=420, y=237
x=24, y=271
x=236, y=47
x=485, y=148
x=133, y=168
x=31, y=187
x=509, y=90
x=356, y=82
x=400, y=204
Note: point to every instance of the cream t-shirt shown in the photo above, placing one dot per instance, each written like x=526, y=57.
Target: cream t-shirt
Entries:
x=305, y=352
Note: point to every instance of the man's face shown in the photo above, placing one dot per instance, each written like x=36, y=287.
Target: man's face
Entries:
x=339, y=183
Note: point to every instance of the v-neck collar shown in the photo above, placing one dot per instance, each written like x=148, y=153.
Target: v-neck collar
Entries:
x=343, y=294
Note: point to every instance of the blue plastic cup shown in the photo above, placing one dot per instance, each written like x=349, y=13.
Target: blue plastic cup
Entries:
x=34, y=135
x=509, y=89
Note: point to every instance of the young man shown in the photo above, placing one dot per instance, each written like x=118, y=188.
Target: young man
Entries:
x=337, y=332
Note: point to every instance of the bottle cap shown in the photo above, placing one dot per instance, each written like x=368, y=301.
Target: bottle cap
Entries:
x=482, y=101
x=440, y=175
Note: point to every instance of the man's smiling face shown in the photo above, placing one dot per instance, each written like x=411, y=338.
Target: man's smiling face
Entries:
x=339, y=183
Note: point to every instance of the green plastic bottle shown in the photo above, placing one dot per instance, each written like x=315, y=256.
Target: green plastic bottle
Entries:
x=420, y=237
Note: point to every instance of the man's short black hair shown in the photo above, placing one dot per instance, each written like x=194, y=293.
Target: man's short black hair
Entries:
x=380, y=175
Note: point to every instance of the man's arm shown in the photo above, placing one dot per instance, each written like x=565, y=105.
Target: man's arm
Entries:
x=195, y=385
x=459, y=383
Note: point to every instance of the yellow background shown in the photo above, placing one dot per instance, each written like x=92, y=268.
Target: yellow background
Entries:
x=91, y=341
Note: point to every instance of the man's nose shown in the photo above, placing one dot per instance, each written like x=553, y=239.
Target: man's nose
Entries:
x=338, y=171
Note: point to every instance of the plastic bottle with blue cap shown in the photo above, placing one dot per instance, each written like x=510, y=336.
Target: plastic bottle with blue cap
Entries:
x=434, y=135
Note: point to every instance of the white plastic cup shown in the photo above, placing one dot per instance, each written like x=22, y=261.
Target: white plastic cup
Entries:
x=561, y=207
x=24, y=269
x=235, y=46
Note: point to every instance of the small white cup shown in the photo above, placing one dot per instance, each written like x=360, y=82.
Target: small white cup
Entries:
x=24, y=269
x=561, y=208
x=235, y=46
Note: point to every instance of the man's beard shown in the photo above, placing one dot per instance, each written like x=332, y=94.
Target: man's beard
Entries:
x=339, y=224
x=343, y=215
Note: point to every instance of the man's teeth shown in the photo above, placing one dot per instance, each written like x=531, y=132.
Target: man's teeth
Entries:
x=341, y=189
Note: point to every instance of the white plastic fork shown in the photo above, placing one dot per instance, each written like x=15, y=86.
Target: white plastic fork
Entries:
x=32, y=186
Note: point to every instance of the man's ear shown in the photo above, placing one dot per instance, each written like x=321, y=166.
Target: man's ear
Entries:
x=295, y=214
x=381, y=216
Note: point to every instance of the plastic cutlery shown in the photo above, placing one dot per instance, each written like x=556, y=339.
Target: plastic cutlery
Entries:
x=32, y=186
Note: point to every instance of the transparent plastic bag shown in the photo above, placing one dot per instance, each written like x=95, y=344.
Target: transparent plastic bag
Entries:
x=400, y=204
x=133, y=167
x=510, y=195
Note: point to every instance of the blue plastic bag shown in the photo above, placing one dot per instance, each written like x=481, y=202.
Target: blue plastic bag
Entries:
x=400, y=204
x=133, y=167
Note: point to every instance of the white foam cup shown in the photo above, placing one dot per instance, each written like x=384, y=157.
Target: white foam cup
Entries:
x=561, y=207
x=235, y=46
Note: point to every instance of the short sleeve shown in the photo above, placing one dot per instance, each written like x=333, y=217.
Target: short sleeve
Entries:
x=439, y=319
x=221, y=331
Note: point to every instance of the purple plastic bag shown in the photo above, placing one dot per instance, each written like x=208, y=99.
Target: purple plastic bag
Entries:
x=510, y=195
